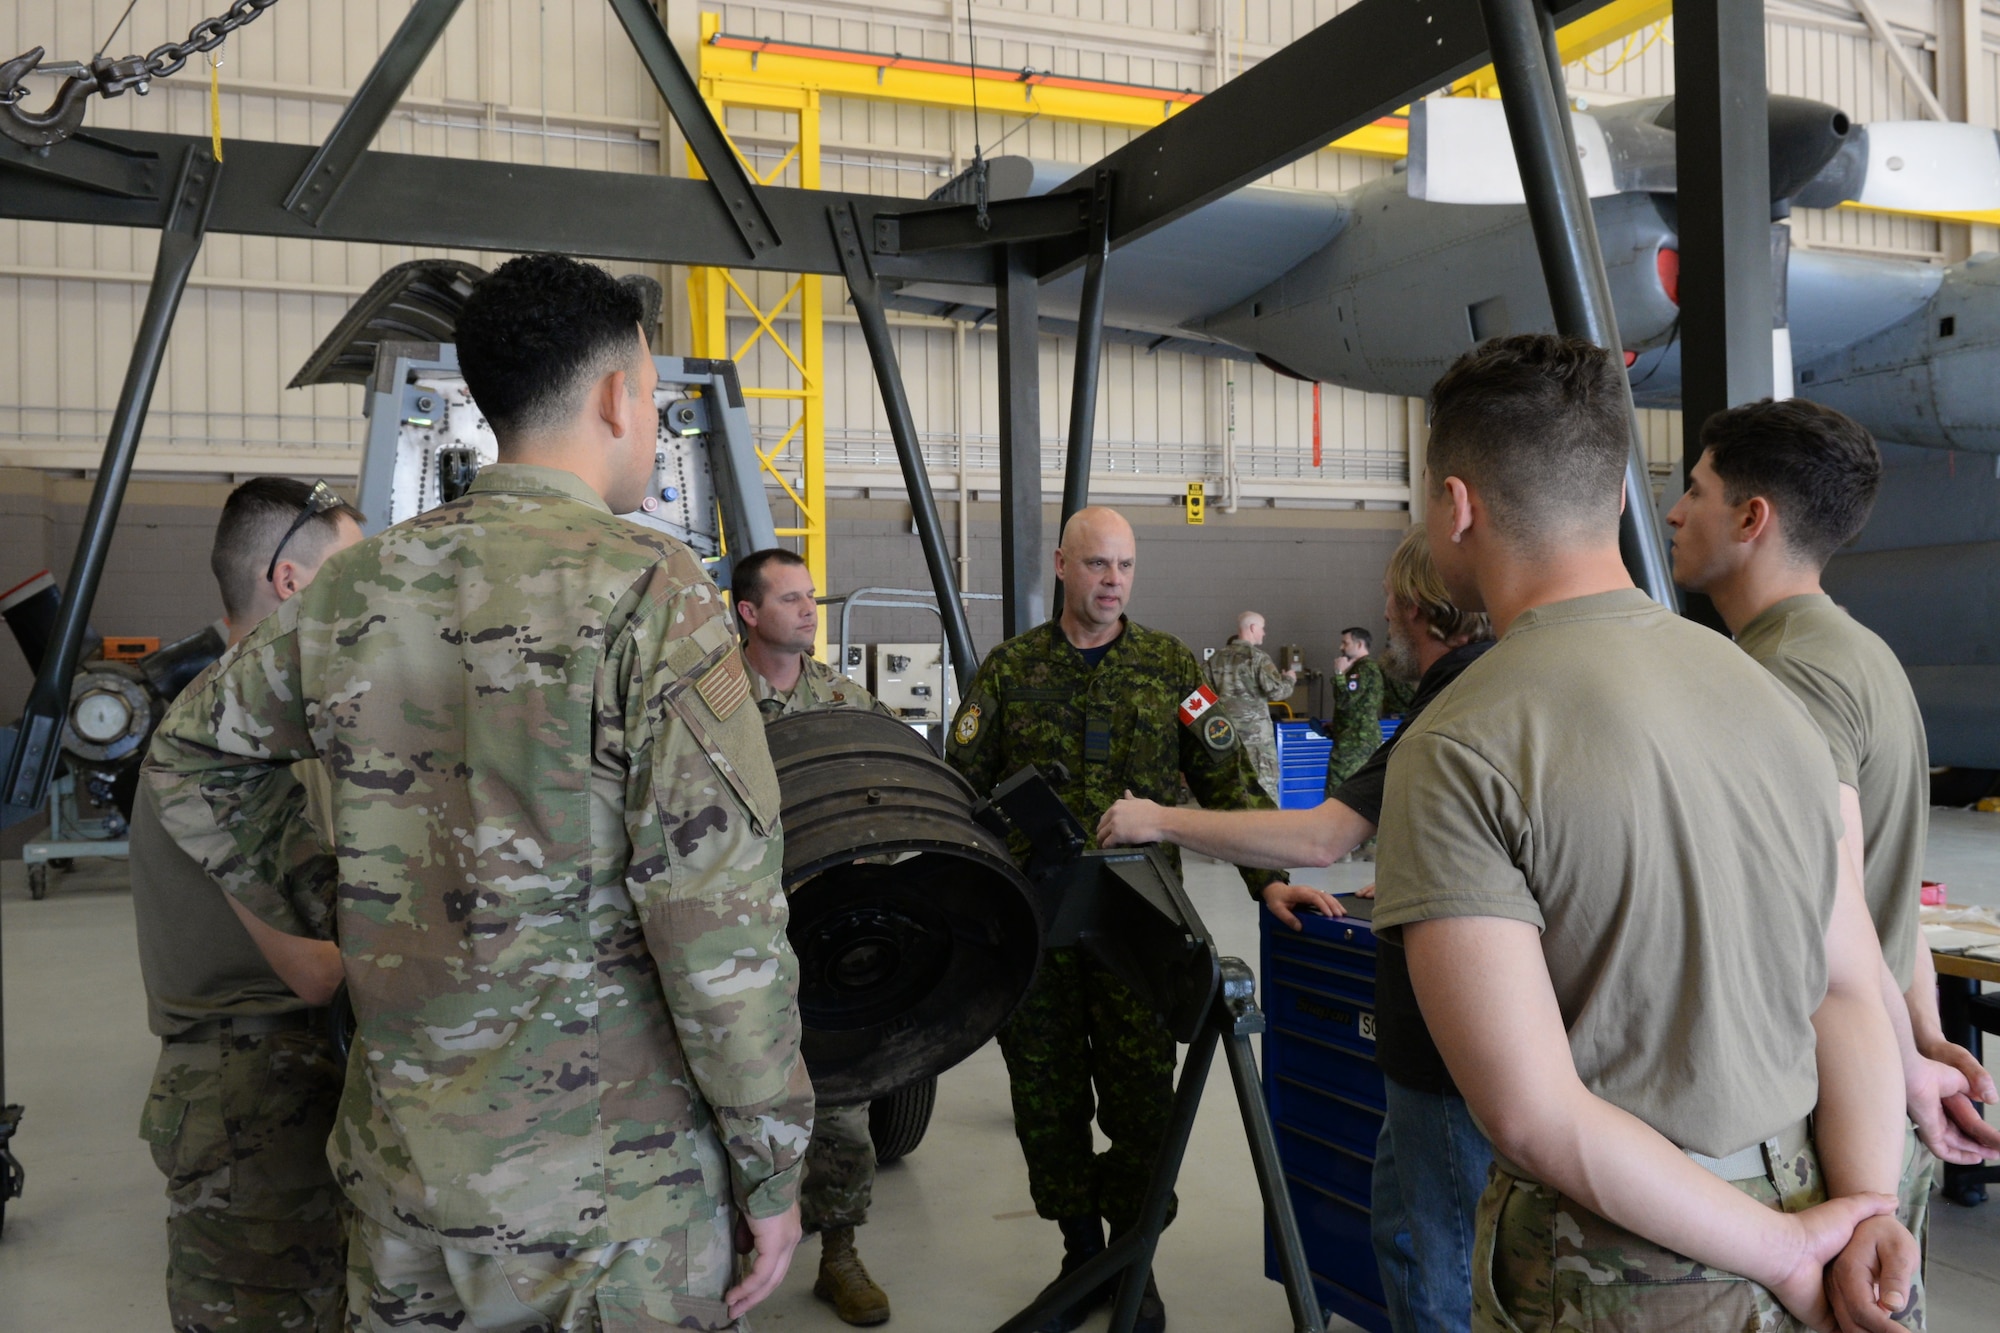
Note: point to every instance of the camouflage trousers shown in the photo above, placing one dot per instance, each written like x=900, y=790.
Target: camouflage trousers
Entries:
x=1078, y=1029
x=840, y=1169
x=256, y=1227
x=1542, y=1263
x=1252, y=720
x=633, y=1286
x=1913, y=1195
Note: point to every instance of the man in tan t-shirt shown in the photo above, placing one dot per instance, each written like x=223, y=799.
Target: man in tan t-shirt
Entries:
x=1780, y=487
x=244, y=1093
x=1569, y=835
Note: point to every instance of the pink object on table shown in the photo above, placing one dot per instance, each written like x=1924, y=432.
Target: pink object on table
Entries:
x=1932, y=894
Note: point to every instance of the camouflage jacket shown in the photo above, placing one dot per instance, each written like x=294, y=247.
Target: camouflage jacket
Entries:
x=556, y=828
x=818, y=686
x=1246, y=679
x=1357, y=706
x=1121, y=724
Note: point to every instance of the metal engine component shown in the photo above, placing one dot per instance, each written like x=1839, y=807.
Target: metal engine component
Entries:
x=427, y=440
x=916, y=933
x=111, y=713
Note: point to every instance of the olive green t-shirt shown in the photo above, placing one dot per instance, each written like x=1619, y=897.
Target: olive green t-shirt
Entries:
x=1855, y=689
x=195, y=957
x=1667, y=815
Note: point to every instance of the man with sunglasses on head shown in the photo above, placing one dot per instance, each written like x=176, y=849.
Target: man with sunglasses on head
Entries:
x=244, y=1095
x=575, y=1099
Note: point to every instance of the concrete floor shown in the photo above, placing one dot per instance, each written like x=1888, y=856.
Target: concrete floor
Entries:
x=954, y=1241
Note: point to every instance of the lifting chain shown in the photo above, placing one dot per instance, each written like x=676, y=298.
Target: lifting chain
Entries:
x=106, y=78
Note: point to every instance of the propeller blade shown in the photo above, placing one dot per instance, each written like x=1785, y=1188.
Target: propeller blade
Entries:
x=1460, y=153
x=1928, y=166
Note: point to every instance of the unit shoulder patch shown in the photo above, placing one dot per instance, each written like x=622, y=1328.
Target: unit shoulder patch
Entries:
x=967, y=728
x=1218, y=733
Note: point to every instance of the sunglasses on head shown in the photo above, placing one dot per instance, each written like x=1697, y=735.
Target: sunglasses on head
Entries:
x=320, y=501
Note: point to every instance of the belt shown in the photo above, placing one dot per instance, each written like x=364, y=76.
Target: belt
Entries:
x=1759, y=1159
x=251, y=1025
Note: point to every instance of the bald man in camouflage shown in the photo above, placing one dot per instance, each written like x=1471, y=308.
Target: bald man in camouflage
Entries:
x=1246, y=682
x=1124, y=710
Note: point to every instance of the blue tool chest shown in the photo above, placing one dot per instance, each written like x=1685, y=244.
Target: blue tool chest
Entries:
x=1302, y=758
x=1325, y=1094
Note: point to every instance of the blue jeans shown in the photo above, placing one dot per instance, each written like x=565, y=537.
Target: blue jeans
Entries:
x=1430, y=1168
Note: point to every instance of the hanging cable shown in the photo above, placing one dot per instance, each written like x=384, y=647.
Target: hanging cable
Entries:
x=116, y=26
x=979, y=196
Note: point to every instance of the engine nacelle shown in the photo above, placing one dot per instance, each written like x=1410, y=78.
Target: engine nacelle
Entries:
x=1933, y=377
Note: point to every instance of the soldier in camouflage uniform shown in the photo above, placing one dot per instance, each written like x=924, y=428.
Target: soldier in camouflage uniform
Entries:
x=247, y=1085
x=774, y=596
x=1122, y=708
x=575, y=1071
x=1357, y=707
x=1246, y=681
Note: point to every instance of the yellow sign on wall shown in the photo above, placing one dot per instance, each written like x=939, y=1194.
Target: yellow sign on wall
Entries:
x=1197, y=503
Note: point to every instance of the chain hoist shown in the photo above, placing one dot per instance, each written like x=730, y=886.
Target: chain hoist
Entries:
x=105, y=77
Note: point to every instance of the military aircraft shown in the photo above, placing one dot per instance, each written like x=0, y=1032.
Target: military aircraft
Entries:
x=1381, y=287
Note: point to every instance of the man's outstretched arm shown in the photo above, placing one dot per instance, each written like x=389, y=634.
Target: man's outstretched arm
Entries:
x=1485, y=992
x=1273, y=839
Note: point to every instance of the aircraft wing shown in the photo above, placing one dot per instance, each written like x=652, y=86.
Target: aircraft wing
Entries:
x=1159, y=285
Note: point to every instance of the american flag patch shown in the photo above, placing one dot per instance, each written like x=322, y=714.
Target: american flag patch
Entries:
x=1196, y=704
x=725, y=686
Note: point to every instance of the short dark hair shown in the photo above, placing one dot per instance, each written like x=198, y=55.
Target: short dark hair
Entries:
x=1360, y=636
x=536, y=333
x=254, y=520
x=746, y=577
x=1540, y=424
x=1818, y=468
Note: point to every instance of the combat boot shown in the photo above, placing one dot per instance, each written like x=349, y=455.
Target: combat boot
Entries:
x=1083, y=1240
x=1152, y=1310
x=844, y=1284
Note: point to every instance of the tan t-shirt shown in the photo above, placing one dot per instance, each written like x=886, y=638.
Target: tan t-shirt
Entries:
x=1640, y=790
x=1856, y=691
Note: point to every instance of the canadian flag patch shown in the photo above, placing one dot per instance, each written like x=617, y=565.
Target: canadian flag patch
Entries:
x=1196, y=704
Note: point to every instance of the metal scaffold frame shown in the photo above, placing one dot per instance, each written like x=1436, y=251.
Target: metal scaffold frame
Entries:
x=796, y=463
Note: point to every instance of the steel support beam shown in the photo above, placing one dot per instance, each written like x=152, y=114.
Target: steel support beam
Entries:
x=867, y=293
x=320, y=184
x=1001, y=222
x=1523, y=39
x=719, y=162
x=457, y=203
x=1722, y=160
x=1364, y=63
x=1089, y=352
x=38, y=740
x=1023, y=562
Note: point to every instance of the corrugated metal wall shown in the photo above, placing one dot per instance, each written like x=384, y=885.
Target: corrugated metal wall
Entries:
x=555, y=81
x=513, y=80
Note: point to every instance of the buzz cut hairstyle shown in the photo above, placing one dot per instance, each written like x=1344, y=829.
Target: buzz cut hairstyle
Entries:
x=1540, y=425
x=1360, y=636
x=536, y=333
x=1818, y=468
x=746, y=577
x=254, y=520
